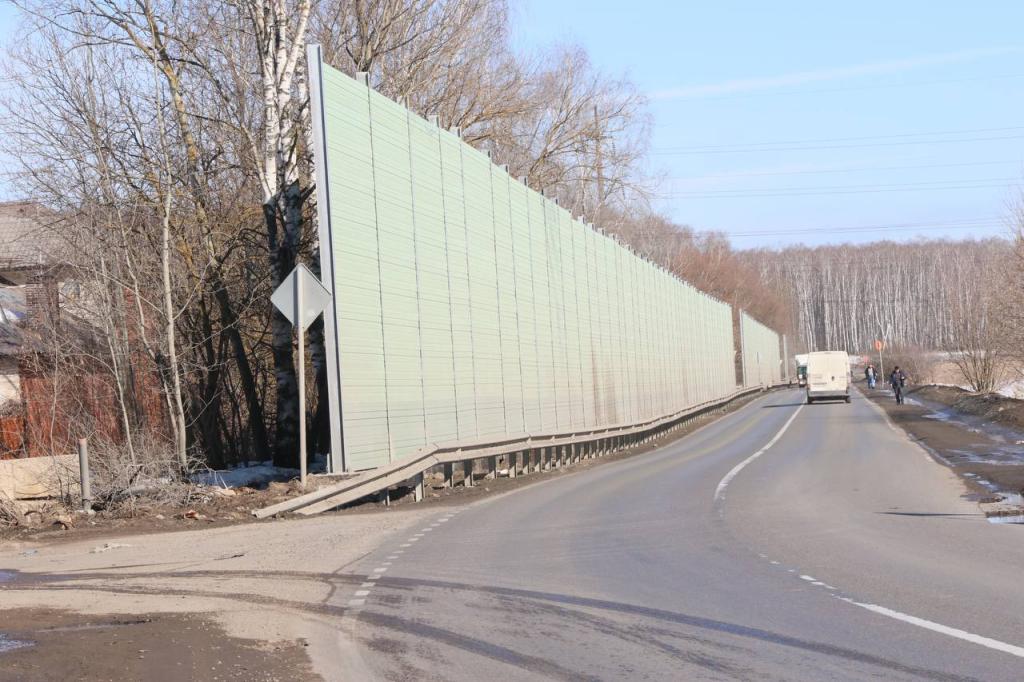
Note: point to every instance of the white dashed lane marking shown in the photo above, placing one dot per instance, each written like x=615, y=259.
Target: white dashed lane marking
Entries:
x=964, y=635
x=361, y=594
x=724, y=483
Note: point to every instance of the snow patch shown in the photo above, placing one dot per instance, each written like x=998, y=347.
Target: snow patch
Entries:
x=1013, y=390
x=254, y=475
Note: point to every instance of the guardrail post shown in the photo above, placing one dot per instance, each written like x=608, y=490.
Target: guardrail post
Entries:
x=417, y=487
x=384, y=496
x=492, y=467
x=467, y=473
x=449, y=474
x=513, y=465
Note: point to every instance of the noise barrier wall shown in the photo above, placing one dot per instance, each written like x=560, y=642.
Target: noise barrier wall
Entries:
x=469, y=307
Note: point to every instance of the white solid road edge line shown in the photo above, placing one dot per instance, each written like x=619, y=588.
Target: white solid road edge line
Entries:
x=943, y=629
x=724, y=483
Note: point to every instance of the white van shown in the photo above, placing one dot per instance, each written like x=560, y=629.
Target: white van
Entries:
x=828, y=376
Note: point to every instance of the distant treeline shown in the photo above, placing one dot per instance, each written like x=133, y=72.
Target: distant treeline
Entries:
x=909, y=294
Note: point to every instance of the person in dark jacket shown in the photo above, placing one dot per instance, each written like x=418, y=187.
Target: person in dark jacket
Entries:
x=898, y=379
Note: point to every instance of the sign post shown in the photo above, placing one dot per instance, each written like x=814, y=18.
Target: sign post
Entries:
x=881, y=365
x=301, y=298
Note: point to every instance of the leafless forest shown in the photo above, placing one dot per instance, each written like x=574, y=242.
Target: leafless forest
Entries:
x=170, y=139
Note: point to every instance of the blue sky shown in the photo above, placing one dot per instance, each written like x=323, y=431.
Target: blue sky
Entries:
x=810, y=122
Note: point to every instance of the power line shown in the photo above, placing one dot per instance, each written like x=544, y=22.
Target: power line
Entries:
x=869, y=185
x=801, y=146
x=858, y=138
x=856, y=88
x=840, y=189
x=855, y=169
x=921, y=227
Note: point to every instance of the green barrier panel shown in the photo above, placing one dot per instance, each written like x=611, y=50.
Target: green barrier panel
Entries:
x=469, y=307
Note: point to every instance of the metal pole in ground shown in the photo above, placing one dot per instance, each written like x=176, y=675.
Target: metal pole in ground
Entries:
x=83, y=470
x=301, y=329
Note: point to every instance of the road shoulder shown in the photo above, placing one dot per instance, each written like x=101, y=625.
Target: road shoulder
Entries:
x=988, y=458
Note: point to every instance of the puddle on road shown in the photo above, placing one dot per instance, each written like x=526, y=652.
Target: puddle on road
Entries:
x=1019, y=518
x=8, y=644
x=1005, y=456
x=1011, y=515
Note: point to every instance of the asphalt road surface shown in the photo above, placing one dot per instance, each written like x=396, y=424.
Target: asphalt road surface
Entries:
x=783, y=542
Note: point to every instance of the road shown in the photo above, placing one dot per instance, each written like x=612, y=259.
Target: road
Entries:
x=839, y=552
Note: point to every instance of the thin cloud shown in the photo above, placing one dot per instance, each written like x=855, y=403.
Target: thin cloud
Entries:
x=826, y=75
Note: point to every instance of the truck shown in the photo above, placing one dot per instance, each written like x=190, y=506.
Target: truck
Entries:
x=828, y=376
x=801, y=369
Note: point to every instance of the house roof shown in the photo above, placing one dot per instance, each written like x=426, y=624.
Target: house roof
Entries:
x=28, y=236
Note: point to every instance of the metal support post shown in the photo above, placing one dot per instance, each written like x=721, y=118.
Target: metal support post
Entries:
x=492, y=467
x=300, y=329
x=467, y=473
x=83, y=470
x=513, y=465
x=417, y=487
x=449, y=475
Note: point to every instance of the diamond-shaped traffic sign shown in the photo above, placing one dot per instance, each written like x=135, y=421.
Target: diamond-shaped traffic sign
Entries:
x=301, y=284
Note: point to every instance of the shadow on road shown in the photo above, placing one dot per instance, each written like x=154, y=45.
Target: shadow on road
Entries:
x=928, y=514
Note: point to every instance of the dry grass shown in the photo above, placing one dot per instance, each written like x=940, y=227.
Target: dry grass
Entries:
x=9, y=514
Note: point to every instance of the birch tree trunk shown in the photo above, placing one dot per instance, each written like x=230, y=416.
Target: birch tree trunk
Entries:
x=279, y=28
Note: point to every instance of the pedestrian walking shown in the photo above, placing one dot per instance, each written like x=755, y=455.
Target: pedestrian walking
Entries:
x=870, y=375
x=898, y=379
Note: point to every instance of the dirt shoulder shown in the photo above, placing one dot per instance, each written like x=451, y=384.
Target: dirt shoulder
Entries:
x=58, y=645
x=274, y=586
x=961, y=431
x=990, y=407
